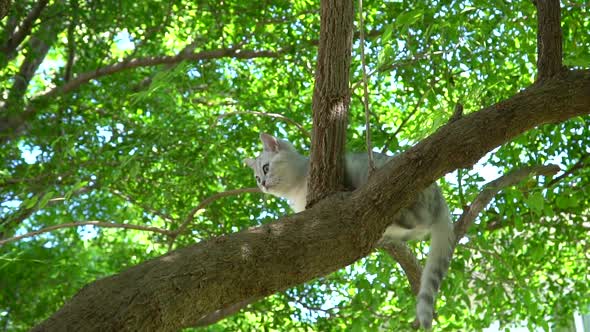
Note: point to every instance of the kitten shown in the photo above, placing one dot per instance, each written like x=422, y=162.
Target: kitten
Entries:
x=281, y=171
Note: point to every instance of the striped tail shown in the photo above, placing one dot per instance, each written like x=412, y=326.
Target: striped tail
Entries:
x=437, y=264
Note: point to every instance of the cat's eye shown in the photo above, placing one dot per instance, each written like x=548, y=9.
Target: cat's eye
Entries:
x=257, y=179
x=265, y=168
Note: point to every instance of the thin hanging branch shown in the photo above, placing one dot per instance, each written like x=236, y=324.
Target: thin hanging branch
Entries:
x=84, y=223
x=581, y=163
x=366, y=93
x=409, y=116
x=397, y=64
x=191, y=215
x=271, y=115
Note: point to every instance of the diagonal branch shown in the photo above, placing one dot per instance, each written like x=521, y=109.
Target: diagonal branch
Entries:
x=402, y=254
x=158, y=60
x=83, y=223
x=549, y=39
x=492, y=188
x=17, y=37
x=581, y=163
x=406, y=258
x=271, y=115
x=147, y=208
x=39, y=45
x=191, y=216
x=220, y=314
x=11, y=126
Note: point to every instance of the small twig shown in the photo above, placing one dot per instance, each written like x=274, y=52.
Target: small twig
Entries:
x=84, y=223
x=191, y=216
x=397, y=64
x=457, y=113
x=460, y=187
x=407, y=118
x=143, y=206
x=272, y=115
x=71, y=41
x=366, y=93
x=578, y=165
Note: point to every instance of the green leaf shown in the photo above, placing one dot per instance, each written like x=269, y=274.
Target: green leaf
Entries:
x=30, y=202
x=45, y=199
x=408, y=18
x=535, y=201
x=386, y=36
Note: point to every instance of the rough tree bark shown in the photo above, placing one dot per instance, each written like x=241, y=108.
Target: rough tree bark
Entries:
x=331, y=98
x=549, y=39
x=178, y=289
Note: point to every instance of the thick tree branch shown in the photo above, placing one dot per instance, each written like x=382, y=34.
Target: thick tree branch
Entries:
x=84, y=223
x=38, y=47
x=4, y=7
x=549, y=39
x=178, y=289
x=12, y=118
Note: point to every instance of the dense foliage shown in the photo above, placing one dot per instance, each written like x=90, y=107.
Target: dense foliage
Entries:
x=145, y=141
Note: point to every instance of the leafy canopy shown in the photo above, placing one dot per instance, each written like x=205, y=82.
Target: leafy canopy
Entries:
x=145, y=145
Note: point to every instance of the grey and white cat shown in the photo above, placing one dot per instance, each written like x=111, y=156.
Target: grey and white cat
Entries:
x=282, y=171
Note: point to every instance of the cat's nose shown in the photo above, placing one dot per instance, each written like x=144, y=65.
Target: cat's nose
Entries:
x=264, y=183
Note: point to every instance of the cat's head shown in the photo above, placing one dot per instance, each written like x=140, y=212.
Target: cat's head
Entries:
x=278, y=168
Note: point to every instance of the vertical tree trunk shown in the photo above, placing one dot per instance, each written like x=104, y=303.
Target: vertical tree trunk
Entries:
x=331, y=97
x=549, y=40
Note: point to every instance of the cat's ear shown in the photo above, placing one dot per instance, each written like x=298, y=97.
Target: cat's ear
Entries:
x=269, y=142
x=250, y=162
